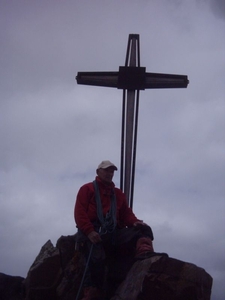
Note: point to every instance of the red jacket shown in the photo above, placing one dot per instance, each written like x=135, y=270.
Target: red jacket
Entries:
x=85, y=212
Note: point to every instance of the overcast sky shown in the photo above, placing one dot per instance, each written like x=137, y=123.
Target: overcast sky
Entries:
x=54, y=132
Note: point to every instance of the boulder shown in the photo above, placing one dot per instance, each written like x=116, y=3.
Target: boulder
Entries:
x=164, y=278
x=56, y=274
x=73, y=264
x=44, y=275
x=11, y=287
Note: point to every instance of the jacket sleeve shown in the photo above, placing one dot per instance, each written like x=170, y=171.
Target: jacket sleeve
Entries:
x=81, y=209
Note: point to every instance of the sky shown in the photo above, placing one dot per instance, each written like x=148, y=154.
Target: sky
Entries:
x=55, y=132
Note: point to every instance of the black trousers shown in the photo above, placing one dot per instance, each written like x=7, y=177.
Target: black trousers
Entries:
x=118, y=245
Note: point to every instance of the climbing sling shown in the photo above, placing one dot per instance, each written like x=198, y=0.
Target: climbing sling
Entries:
x=108, y=223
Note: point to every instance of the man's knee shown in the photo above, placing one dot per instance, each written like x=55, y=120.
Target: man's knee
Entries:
x=145, y=231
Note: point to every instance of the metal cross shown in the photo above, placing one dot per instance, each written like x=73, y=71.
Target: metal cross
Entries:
x=131, y=79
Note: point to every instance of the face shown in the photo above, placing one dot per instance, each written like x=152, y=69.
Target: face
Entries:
x=106, y=175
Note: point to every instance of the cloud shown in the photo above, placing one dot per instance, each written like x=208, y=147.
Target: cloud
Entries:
x=218, y=8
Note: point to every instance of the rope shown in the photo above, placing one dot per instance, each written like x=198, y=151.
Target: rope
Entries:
x=85, y=271
x=108, y=223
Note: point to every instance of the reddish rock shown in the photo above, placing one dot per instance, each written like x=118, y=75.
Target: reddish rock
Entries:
x=57, y=272
x=44, y=275
x=164, y=278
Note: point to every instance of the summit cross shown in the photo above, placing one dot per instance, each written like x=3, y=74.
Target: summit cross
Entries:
x=131, y=78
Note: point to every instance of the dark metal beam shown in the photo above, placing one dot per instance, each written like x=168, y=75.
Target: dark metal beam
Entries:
x=133, y=78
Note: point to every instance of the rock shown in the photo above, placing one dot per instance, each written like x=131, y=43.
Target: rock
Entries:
x=73, y=264
x=66, y=246
x=11, y=287
x=164, y=278
x=44, y=274
x=57, y=272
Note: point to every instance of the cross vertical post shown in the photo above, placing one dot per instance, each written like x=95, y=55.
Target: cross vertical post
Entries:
x=129, y=123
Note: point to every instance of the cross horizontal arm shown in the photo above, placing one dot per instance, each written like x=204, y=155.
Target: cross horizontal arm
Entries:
x=160, y=81
x=109, y=79
x=132, y=78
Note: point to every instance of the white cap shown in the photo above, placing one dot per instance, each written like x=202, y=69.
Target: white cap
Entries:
x=106, y=164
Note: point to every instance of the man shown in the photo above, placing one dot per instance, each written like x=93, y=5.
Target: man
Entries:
x=107, y=226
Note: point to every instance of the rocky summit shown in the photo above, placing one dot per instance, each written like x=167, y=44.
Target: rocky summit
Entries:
x=56, y=274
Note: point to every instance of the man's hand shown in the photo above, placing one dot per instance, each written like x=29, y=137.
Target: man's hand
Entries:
x=94, y=237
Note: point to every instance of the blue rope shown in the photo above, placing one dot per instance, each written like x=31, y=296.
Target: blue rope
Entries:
x=108, y=223
x=85, y=271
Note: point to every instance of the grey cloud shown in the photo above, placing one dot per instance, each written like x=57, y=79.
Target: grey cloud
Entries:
x=218, y=8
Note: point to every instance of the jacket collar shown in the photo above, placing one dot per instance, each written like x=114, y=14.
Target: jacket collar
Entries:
x=103, y=185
